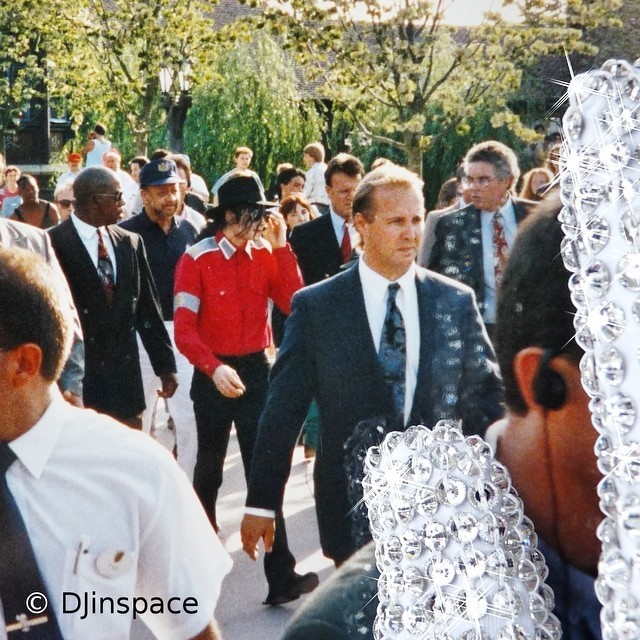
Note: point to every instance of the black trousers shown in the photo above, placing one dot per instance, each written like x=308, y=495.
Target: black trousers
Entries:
x=215, y=415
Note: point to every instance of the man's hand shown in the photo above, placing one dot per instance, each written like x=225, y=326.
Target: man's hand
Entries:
x=252, y=529
x=73, y=399
x=228, y=382
x=276, y=230
x=169, y=385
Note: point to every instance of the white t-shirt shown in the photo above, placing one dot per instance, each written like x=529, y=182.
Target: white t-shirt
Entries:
x=91, y=490
x=314, y=186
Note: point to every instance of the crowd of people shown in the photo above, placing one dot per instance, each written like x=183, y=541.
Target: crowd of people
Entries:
x=154, y=294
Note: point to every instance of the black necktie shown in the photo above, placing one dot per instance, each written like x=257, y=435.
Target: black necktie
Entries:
x=22, y=590
x=393, y=350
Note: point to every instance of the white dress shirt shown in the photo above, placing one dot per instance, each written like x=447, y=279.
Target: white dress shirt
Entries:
x=338, y=223
x=375, y=289
x=89, y=488
x=89, y=236
x=510, y=229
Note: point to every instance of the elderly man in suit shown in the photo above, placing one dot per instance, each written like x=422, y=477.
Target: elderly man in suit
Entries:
x=406, y=343
x=472, y=244
x=113, y=289
x=323, y=245
x=26, y=236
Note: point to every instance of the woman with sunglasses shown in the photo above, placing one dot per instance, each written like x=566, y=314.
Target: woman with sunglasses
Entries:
x=33, y=211
x=63, y=197
x=222, y=288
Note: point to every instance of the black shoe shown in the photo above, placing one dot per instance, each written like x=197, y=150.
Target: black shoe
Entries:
x=293, y=589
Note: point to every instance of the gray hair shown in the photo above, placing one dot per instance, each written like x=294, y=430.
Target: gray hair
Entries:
x=501, y=157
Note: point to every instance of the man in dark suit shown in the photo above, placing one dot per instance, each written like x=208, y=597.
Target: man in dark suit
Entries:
x=472, y=244
x=30, y=238
x=323, y=245
x=409, y=345
x=112, y=287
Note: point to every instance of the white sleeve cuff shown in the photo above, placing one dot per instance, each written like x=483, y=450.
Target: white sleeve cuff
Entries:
x=264, y=513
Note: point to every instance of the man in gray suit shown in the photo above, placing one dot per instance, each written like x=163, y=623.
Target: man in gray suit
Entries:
x=383, y=339
x=472, y=244
x=24, y=236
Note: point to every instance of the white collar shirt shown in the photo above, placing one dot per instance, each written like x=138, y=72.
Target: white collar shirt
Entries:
x=89, y=237
x=375, y=291
x=89, y=488
x=338, y=223
x=510, y=229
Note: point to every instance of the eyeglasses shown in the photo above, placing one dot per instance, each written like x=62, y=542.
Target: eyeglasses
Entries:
x=115, y=196
x=66, y=203
x=481, y=182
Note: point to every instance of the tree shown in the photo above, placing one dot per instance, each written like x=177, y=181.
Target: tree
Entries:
x=132, y=39
x=387, y=60
x=253, y=100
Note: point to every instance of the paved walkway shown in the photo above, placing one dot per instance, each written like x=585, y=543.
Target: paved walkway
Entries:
x=240, y=614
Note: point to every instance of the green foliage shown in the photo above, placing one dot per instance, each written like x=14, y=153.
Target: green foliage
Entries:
x=394, y=63
x=252, y=101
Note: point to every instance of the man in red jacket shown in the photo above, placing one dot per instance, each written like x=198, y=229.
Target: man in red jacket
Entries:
x=222, y=287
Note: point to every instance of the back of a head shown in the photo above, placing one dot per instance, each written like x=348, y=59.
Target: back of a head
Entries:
x=100, y=129
x=534, y=304
x=37, y=313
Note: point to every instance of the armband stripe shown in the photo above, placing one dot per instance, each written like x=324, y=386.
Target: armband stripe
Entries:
x=187, y=301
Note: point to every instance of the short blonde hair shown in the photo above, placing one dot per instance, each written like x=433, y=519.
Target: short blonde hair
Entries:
x=240, y=150
x=387, y=175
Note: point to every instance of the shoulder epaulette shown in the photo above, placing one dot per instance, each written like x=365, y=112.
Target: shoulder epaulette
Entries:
x=204, y=246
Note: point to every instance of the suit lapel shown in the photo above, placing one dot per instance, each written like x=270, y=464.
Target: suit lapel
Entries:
x=356, y=343
x=123, y=270
x=421, y=405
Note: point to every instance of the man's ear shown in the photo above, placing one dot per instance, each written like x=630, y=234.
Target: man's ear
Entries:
x=359, y=222
x=525, y=367
x=24, y=364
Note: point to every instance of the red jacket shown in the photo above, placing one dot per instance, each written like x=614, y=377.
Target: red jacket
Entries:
x=221, y=294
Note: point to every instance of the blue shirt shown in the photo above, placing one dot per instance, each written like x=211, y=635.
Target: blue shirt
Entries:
x=577, y=606
x=164, y=250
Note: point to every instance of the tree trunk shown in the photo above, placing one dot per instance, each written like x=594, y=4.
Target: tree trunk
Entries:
x=414, y=152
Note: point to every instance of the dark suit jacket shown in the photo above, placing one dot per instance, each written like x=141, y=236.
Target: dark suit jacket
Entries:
x=328, y=353
x=113, y=382
x=317, y=249
x=457, y=249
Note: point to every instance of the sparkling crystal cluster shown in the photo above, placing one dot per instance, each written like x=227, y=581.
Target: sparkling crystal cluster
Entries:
x=600, y=191
x=458, y=560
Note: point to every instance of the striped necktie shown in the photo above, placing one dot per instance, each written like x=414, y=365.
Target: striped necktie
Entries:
x=105, y=269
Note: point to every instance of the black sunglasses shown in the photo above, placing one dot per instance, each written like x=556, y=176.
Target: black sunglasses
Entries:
x=66, y=203
x=259, y=214
x=116, y=196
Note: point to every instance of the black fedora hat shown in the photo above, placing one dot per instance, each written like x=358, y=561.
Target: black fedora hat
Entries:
x=240, y=188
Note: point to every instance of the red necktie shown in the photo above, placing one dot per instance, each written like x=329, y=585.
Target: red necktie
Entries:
x=345, y=246
x=500, y=248
x=105, y=269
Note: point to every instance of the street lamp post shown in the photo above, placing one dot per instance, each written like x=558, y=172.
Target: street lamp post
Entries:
x=176, y=100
